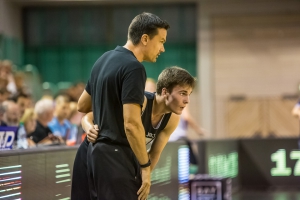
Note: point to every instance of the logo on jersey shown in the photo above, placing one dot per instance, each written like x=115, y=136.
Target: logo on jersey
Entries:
x=150, y=135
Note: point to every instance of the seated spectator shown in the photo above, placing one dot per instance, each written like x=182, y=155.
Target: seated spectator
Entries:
x=24, y=101
x=44, y=110
x=75, y=91
x=12, y=113
x=2, y=111
x=296, y=110
x=6, y=73
x=4, y=94
x=60, y=125
x=27, y=126
x=74, y=115
x=75, y=119
x=3, y=83
x=20, y=83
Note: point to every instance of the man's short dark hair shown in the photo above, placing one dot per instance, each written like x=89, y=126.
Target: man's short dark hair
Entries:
x=173, y=76
x=145, y=23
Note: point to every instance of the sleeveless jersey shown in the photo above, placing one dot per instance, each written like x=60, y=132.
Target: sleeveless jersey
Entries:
x=150, y=131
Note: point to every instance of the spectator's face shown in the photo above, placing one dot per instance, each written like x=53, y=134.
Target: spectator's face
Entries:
x=5, y=70
x=48, y=115
x=13, y=115
x=23, y=103
x=155, y=46
x=4, y=96
x=30, y=125
x=62, y=110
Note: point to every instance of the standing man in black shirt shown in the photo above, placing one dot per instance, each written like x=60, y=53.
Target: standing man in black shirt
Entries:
x=118, y=163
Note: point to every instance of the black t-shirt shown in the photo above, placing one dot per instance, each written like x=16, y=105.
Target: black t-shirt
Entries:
x=40, y=132
x=116, y=78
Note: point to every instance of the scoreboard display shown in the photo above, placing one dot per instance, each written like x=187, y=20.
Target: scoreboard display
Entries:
x=269, y=162
x=220, y=158
x=252, y=162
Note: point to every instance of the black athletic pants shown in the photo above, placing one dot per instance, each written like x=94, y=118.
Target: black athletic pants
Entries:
x=80, y=187
x=113, y=172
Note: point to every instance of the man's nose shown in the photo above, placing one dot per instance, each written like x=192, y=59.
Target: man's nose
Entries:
x=162, y=49
x=187, y=99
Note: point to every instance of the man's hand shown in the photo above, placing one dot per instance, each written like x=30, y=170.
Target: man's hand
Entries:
x=92, y=133
x=146, y=183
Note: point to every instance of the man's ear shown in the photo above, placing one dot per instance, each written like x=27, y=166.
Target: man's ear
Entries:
x=164, y=91
x=145, y=39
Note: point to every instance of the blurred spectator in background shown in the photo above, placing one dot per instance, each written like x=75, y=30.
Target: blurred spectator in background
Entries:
x=75, y=91
x=3, y=83
x=24, y=101
x=6, y=73
x=296, y=110
x=47, y=96
x=12, y=113
x=75, y=116
x=75, y=120
x=180, y=134
x=150, y=85
x=44, y=110
x=27, y=126
x=4, y=94
x=60, y=125
x=185, y=120
x=296, y=113
x=2, y=111
x=20, y=82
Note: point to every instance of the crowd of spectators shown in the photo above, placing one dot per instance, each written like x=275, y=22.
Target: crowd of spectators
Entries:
x=50, y=120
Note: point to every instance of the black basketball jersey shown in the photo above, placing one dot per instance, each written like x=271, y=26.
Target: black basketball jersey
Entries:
x=150, y=131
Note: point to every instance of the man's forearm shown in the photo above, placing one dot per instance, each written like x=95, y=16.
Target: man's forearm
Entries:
x=154, y=161
x=137, y=142
x=87, y=121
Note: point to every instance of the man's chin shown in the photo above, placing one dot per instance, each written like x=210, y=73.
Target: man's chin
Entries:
x=177, y=112
x=153, y=60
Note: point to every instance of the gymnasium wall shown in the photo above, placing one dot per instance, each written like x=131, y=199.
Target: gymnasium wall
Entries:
x=248, y=65
x=64, y=42
x=256, y=57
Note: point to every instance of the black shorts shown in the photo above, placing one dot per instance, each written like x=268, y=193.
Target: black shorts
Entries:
x=113, y=172
x=80, y=186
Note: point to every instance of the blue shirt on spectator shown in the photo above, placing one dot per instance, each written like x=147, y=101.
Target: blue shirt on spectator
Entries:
x=63, y=130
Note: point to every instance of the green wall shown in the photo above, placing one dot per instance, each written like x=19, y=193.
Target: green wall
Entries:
x=64, y=42
x=11, y=49
x=73, y=64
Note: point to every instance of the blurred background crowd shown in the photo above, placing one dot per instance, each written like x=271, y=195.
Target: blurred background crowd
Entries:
x=51, y=120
